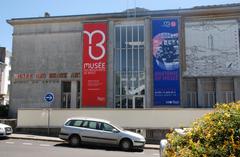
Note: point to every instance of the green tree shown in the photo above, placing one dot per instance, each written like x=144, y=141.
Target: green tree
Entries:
x=216, y=134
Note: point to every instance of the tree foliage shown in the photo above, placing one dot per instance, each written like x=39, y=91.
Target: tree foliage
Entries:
x=216, y=134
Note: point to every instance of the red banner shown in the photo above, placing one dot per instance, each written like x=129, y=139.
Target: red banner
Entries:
x=94, y=86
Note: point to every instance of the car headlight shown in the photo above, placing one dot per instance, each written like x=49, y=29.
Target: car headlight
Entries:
x=1, y=129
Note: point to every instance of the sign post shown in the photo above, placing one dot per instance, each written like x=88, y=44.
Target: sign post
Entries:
x=49, y=98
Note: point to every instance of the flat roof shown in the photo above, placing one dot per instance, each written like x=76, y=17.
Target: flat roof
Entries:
x=131, y=13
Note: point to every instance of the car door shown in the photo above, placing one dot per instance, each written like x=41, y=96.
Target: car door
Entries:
x=109, y=134
x=90, y=133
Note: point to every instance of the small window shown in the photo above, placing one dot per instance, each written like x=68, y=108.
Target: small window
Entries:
x=68, y=123
x=77, y=123
x=107, y=127
x=93, y=125
x=85, y=124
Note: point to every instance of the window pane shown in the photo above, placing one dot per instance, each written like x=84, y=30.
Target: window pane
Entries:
x=69, y=123
x=117, y=60
x=66, y=87
x=141, y=36
x=117, y=84
x=136, y=87
x=124, y=102
x=123, y=37
x=141, y=59
x=129, y=58
x=117, y=35
x=117, y=102
x=85, y=124
x=129, y=36
x=135, y=33
x=130, y=102
x=123, y=57
x=124, y=87
x=77, y=123
x=135, y=60
x=93, y=125
x=107, y=127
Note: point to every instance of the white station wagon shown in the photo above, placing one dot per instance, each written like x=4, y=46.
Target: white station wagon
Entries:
x=5, y=130
x=90, y=130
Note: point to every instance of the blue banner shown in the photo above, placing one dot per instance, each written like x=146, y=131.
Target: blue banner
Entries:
x=165, y=51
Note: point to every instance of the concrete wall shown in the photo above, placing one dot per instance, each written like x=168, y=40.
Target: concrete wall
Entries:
x=43, y=48
x=155, y=119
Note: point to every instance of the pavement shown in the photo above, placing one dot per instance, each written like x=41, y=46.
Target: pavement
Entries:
x=56, y=139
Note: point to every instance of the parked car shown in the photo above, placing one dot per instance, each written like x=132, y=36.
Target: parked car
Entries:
x=99, y=131
x=5, y=130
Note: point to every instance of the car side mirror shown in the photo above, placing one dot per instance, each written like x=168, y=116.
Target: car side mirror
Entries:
x=115, y=131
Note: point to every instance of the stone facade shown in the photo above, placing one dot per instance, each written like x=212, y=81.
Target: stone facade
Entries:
x=47, y=52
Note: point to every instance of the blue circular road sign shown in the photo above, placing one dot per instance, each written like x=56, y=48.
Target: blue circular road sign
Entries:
x=49, y=97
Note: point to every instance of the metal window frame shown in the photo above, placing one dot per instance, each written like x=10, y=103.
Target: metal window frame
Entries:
x=132, y=72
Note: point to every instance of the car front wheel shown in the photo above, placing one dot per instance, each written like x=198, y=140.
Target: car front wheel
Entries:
x=126, y=144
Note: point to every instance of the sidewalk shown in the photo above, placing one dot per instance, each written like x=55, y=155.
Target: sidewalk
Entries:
x=56, y=139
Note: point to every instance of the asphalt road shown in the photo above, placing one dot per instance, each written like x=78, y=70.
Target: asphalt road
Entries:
x=32, y=148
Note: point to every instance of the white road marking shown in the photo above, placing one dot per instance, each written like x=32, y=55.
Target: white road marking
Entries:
x=10, y=142
x=44, y=145
x=142, y=153
x=155, y=154
x=27, y=143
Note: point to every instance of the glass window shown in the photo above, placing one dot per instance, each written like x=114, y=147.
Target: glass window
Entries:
x=117, y=102
x=129, y=65
x=93, y=125
x=124, y=87
x=117, y=35
x=107, y=127
x=141, y=59
x=124, y=102
x=68, y=123
x=77, y=123
x=66, y=87
x=129, y=60
x=130, y=102
x=85, y=124
x=129, y=37
x=124, y=59
x=123, y=37
x=141, y=33
x=117, y=85
x=135, y=33
x=117, y=60
x=135, y=60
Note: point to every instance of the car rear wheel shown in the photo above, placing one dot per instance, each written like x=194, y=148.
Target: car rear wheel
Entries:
x=74, y=140
x=126, y=144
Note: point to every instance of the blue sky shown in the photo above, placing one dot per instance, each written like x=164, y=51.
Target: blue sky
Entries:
x=36, y=8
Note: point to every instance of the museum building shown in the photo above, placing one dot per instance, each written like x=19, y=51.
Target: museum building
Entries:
x=135, y=59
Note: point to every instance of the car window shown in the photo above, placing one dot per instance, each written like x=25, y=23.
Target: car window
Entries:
x=77, y=123
x=85, y=124
x=68, y=122
x=93, y=125
x=107, y=127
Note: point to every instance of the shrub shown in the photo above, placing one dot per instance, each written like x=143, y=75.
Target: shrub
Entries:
x=216, y=134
